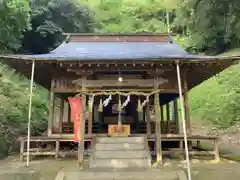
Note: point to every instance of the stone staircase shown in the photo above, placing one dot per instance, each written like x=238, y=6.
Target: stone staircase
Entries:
x=120, y=152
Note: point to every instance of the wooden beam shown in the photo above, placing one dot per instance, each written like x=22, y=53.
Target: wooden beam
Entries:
x=51, y=114
x=147, y=69
x=124, y=83
x=158, y=130
x=92, y=90
x=61, y=114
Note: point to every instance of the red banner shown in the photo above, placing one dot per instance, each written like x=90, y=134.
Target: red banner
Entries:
x=76, y=110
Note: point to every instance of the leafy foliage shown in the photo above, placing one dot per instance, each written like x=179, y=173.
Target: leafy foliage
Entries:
x=14, y=95
x=51, y=18
x=212, y=25
x=217, y=101
x=129, y=16
x=14, y=20
x=206, y=25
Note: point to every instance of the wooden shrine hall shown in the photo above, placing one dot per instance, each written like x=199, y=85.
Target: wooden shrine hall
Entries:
x=125, y=80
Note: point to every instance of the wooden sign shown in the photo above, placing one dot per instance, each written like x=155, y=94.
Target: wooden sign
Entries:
x=115, y=130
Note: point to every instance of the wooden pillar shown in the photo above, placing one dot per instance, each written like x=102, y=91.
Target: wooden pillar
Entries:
x=51, y=114
x=148, y=120
x=216, y=150
x=168, y=117
x=158, y=130
x=82, y=130
x=57, y=149
x=61, y=115
x=82, y=134
x=175, y=114
x=185, y=97
x=90, y=122
x=22, y=143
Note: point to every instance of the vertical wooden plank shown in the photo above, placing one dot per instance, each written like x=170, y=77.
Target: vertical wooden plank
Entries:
x=57, y=149
x=61, y=115
x=158, y=130
x=168, y=117
x=51, y=114
x=185, y=97
x=148, y=120
x=22, y=149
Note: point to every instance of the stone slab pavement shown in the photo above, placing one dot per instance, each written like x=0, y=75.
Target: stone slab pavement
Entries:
x=123, y=174
x=50, y=169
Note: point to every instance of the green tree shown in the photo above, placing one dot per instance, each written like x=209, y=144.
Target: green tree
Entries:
x=14, y=20
x=14, y=99
x=129, y=16
x=50, y=18
x=212, y=25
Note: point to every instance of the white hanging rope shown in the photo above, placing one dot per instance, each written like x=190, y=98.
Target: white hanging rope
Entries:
x=183, y=122
x=30, y=112
x=90, y=102
x=145, y=102
x=106, y=101
x=126, y=102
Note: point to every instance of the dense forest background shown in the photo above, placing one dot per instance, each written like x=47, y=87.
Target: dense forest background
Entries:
x=36, y=26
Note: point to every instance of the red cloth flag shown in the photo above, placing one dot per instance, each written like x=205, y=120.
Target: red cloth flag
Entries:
x=76, y=110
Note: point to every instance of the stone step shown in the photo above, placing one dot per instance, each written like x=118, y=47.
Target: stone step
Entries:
x=120, y=140
x=125, y=174
x=143, y=154
x=120, y=163
x=122, y=146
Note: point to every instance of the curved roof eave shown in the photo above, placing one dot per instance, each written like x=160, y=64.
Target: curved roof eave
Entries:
x=188, y=59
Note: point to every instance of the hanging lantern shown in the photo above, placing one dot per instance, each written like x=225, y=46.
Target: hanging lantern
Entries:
x=100, y=108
